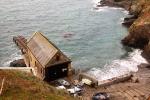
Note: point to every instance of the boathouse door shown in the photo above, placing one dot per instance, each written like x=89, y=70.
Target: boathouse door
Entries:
x=55, y=72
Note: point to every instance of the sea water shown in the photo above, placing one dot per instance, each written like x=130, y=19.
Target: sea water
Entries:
x=90, y=37
x=119, y=67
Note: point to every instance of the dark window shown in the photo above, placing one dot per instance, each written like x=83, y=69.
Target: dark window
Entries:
x=57, y=58
x=41, y=70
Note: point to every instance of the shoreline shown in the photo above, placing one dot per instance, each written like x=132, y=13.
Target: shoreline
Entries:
x=126, y=89
x=138, y=35
x=135, y=88
x=122, y=90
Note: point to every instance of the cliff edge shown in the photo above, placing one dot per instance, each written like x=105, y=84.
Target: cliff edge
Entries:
x=139, y=31
x=19, y=85
x=138, y=22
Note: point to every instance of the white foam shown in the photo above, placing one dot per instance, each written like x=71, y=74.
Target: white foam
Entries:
x=13, y=57
x=126, y=12
x=107, y=8
x=96, y=1
x=119, y=67
x=102, y=9
x=122, y=20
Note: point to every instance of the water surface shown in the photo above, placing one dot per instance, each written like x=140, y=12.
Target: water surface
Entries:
x=91, y=38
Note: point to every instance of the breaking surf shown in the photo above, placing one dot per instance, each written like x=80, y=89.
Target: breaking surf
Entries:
x=119, y=67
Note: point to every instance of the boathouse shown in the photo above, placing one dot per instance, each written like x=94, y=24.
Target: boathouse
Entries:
x=47, y=61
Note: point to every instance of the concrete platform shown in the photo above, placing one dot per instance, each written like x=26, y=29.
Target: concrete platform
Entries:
x=126, y=90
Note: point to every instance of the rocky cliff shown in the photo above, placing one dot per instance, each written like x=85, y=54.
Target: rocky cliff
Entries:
x=117, y=3
x=138, y=22
x=139, y=31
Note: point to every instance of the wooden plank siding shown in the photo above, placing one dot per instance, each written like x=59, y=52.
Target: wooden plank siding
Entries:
x=41, y=53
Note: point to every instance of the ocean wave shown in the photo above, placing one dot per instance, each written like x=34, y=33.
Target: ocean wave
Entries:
x=101, y=9
x=126, y=12
x=15, y=56
x=96, y=1
x=121, y=20
x=107, y=8
x=119, y=67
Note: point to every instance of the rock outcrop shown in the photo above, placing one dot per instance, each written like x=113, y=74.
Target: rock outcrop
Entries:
x=128, y=21
x=139, y=31
x=138, y=22
x=138, y=36
x=117, y=3
x=18, y=63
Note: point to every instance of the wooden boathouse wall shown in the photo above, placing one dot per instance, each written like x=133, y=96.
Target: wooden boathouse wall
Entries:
x=48, y=62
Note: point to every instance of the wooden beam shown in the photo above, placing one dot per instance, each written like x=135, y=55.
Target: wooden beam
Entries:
x=2, y=86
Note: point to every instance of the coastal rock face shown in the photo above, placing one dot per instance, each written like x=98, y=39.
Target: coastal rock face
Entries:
x=138, y=37
x=138, y=22
x=117, y=3
x=139, y=31
x=126, y=4
x=128, y=21
x=18, y=63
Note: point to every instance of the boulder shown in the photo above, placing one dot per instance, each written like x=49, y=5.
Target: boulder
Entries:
x=138, y=36
x=128, y=21
x=18, y=63
x=139, y=31
x=135, y=79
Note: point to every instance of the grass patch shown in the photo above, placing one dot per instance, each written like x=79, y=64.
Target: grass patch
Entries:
x=23, y=86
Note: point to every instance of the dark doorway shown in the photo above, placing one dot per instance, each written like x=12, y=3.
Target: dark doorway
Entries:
x=55, y=72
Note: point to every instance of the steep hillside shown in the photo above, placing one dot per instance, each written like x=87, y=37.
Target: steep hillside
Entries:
x=22, y=86
x=139, y=32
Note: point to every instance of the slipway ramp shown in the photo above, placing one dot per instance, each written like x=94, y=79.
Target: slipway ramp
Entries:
x=117, y=71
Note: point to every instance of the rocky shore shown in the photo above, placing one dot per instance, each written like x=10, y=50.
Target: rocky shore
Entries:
x=117, y=3
x=17, y=63
x=139, y=31
x=138, y=22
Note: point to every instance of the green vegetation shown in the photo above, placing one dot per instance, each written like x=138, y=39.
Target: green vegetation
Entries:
x=19, y=85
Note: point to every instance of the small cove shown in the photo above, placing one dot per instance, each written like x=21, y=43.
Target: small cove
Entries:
x=94, y=38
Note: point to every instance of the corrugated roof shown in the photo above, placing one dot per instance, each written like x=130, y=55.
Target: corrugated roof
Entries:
x=41, y=48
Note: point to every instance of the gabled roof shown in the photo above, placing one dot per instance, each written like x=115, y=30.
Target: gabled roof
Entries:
x=43, y=49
